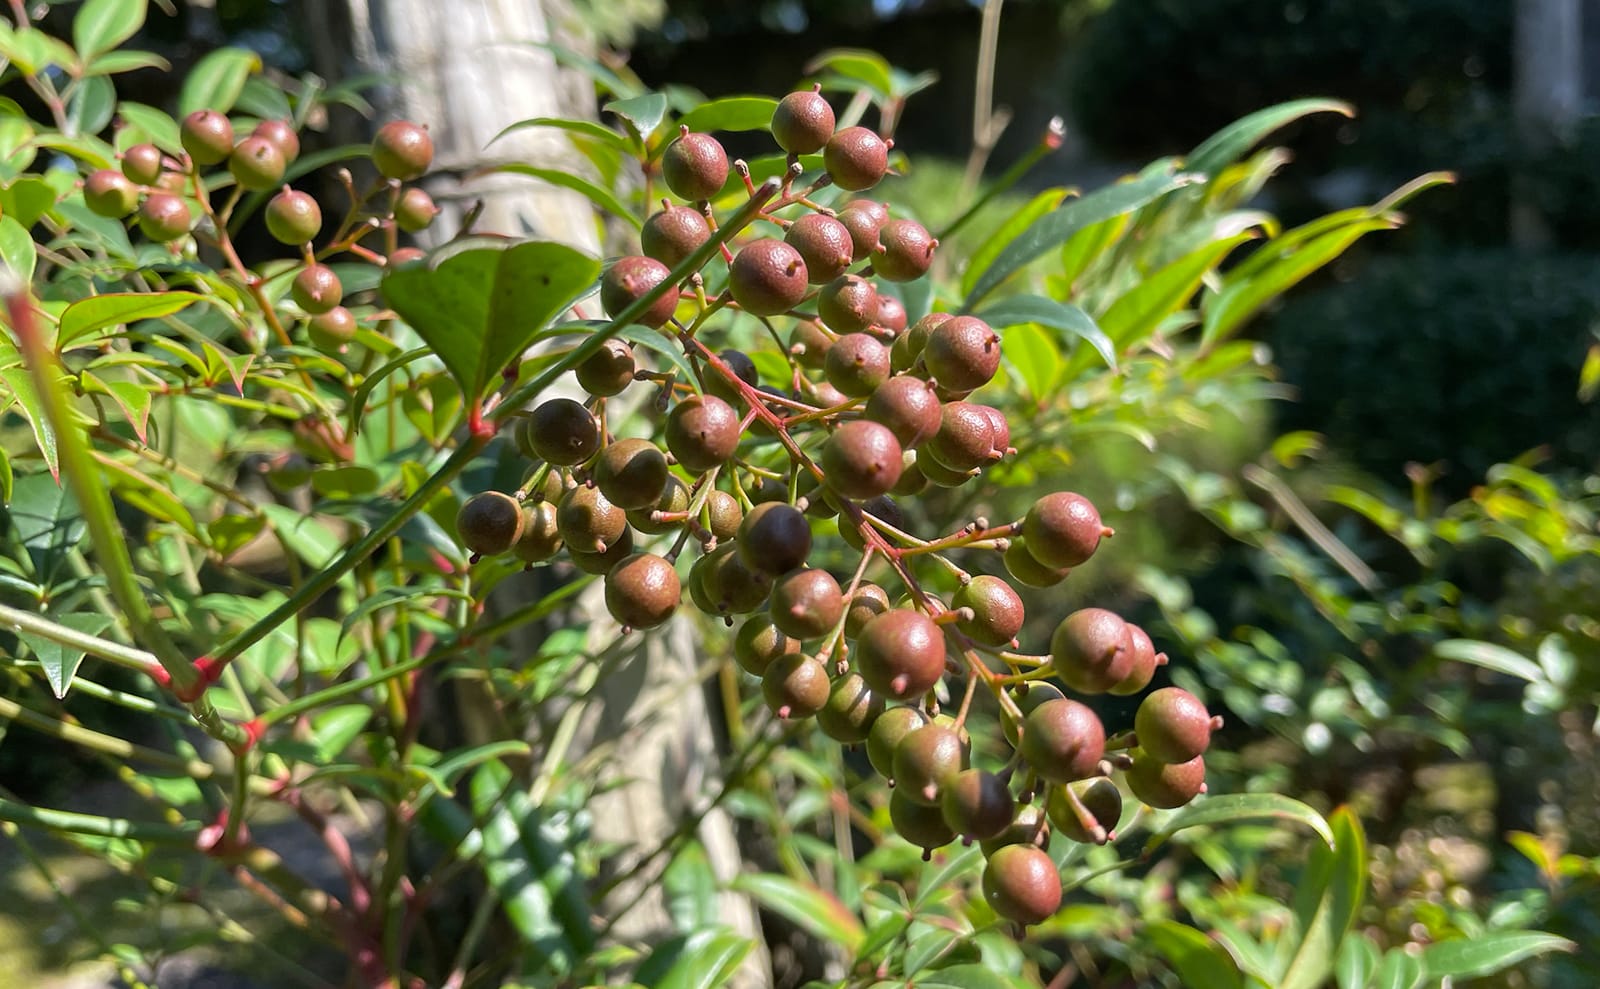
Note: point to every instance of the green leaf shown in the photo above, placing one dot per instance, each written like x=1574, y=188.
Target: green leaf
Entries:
x=112, y=63
x=144, y=493
x=229, y=533
x=88, y=316
x=809, y=907
x=866, y=67
x=27, y=199
x=643, y=113
x=334, y=728
x=1589, y=375
x=1233, y=807
x=600, y=196
x=1054, y=229
x=1196, y=959
x=7, y=480
x=734, y=113
x=585, y=128
x=307, y=536
x=1085, y=247
x=1490, y=657
x=704, y=959
x=479, y=306
x=20, y=382
x=1400, y=969
x=61, y=662
x=44, y=517
x=1486, y=954
x=1161, y=293
x=17, y=249
x=964, y=977
x=1062, y=316
x=1243, y=296
x=91, y=105
x=217, y=80
x=1357, y=961
x=1235, y=140
x=1035, y=358
x=1009, y=231
x=158, y=127
x=102, y=25
x=1327, y=899
x=358, y=401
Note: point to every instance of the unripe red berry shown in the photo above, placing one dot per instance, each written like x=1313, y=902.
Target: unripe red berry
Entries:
x=402, y=150
x=207, y=136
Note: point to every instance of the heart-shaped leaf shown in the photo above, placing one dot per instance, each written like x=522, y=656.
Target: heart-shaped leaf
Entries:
x=479, y=303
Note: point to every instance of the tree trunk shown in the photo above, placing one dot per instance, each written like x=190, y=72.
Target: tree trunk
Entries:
x=468, y=69
x=1547, y=97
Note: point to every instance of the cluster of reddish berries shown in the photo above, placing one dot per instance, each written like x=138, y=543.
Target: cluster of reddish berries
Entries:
x=872, y=409
x=152, y=187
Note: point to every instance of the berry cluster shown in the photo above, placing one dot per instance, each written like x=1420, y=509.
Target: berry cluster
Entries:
x=872, y=409
x=158, y=190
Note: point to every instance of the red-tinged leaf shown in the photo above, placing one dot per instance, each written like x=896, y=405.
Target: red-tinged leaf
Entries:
x=20, y=382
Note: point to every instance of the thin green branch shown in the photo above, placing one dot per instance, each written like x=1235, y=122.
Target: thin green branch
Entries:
x=34, y=624
x=70, y=822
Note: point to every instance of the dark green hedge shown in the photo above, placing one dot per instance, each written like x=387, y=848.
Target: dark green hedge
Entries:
x=1469, y=357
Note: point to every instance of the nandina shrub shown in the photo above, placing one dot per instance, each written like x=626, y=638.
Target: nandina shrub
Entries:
x=784, y=475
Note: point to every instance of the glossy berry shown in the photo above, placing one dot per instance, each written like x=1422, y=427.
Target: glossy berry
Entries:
x=901, y=654
x=330, y=331
x=1063, y=741
x=848, y=304
x=962, y=353
x=164, y=217
x=141, y=163
x=824, y=244
x=695, y=166
x=882, y=508
x=1063, y=529
x=908, y=407
x=1091, y=650
x=921, y=824
x=1028, y=827
x=1021, y=564
x=743, y=368
x=774, y=538
x=110, y=193
x=674, y=233
x=806, y=604
x=964, y=439
x=541, y=538
x=1172, y=725
x=316, y=289
x=863, y=218
x=809, y=344
x=767, y=277
x=736, y=588
x=856, y=158
x=909, y=345
x=642, y=591
x=1165, y=786
x=415, y=211
x=857, y=364
x=905, y=251
x=861, y=460
x=293, y=217
x=631, y=473
x=725, y=515
x=866, y=603
x=977, y=805
x=207, y=136
x=758, y=642
x=563, y=432
x=402, y=150
x=887, y=731
x=1145, y=661
x=997, y=610
x=1028, y=697
x=891, y=314
x=281, y=133
x=802, y=122
x=925, y=760
x=851, y=711
x=1022, y=885
x=796, y=686
x=602, y=561
x=489, y=523
x=590, y=523
x=673, y=498
x=630, y=279
x=1101, y=802
x=702, y=432
x=257, y=164
x=608, y=370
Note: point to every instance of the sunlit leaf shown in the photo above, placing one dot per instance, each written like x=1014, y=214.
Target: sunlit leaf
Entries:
x=1490, y=657
x=1062, y=316
x=61, y=662
x=734, y=113
x=101, y=25
x=1235, y=140
x=84, y=318
x=1486, y=954
x=599, y=195
x=216, y=80
x=1197, y=960
x=813, y=909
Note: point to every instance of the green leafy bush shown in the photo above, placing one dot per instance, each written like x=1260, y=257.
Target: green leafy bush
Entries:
x=1466, y=358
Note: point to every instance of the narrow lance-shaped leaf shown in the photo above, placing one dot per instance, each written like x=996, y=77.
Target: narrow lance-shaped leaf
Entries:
x=61, y=662
x=1133, y=316
x=1009, y=231
x=1490, y=657
x=1053, y=229
x=1235, y=140
x=1327, y=899
x=734, y=113
x=600, y=196
x=1486, y=954
x=1063, y=316
x=1197, y=960
x=1232, y=807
